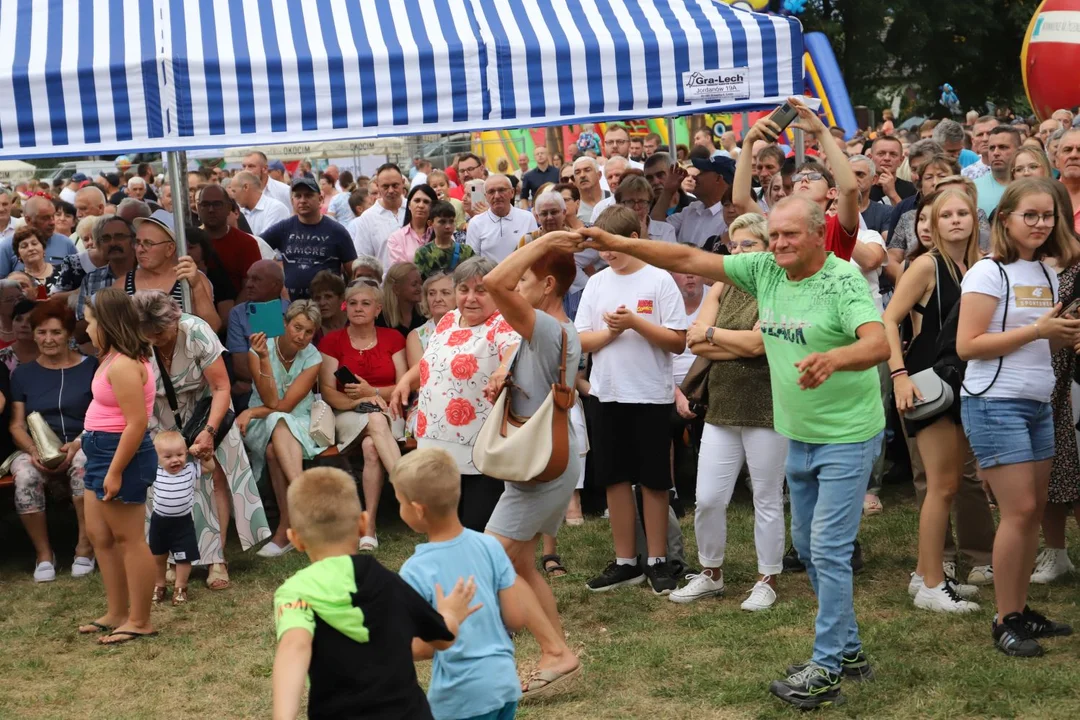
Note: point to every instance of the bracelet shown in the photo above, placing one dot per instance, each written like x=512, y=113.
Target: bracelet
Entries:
x=897, y=373
x=1036, y=326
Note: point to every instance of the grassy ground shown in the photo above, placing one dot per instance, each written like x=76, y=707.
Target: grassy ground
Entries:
x=645, y=657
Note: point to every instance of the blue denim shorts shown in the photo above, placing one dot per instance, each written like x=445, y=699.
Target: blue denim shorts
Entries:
x=1005, y=431
x=138, y=476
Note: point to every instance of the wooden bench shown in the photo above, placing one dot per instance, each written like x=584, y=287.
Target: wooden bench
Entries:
x=6, y=480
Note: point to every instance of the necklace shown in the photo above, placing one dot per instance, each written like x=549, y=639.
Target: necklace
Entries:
x=373, y=343
x=284, y=362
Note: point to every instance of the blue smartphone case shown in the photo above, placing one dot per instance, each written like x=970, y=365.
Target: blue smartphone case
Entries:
x=266, y=317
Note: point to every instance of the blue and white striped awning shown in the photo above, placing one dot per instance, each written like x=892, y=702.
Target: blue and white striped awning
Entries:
x=99, y=76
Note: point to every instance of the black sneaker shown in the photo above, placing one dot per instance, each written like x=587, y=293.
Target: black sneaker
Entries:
x=661, y=578
x=1012, y=636
x=792, y=563
x=856, y=558
x=810, y=688
x=1040, y=626
x=616, y=576
x=856, y=668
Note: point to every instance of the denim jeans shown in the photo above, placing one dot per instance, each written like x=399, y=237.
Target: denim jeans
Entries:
x=827, y=484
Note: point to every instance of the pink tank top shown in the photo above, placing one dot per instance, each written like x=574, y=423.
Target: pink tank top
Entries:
x=104, y=414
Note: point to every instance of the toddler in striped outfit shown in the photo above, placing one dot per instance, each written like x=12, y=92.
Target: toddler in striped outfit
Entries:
x=172, y=528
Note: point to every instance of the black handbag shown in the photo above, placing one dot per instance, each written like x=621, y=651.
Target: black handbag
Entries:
x=200, y=416
x=695, y=386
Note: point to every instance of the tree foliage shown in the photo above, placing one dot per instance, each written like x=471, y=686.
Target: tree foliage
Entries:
x=917, y=45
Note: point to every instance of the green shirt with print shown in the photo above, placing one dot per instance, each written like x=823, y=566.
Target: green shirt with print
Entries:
x=802, y=317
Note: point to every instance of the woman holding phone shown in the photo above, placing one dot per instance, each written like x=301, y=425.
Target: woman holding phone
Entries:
x=120, y=465
x=361, y=364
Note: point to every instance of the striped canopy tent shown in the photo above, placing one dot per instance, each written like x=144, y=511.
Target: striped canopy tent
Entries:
x=108, y=76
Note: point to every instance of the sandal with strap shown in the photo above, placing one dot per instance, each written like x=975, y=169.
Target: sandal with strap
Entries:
x=97, y=628
x=179, y=596
x=546, y=683
x=553, y=566
x=159, y=594
x=218, y=577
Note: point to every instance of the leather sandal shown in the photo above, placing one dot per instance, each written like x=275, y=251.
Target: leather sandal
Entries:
x=218, y=577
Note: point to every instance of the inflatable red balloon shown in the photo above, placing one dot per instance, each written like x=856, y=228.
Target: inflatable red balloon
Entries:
x=1050, y=57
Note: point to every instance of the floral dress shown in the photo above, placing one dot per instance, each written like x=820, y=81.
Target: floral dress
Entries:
x=197, y=347
x=1065, y=471
x=299, y=420
x=423, y=334
x=453, y=373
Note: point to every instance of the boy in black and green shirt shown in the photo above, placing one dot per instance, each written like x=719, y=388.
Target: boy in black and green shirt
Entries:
x=447, y=249
x=348, y=623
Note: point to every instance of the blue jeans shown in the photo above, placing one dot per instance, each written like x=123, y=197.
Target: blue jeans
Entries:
x=827, y=484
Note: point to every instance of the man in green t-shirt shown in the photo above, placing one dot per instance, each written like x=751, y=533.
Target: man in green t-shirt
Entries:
x=823, y=339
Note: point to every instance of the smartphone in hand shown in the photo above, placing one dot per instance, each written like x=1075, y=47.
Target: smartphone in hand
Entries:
x=345, y=376
x=784, y=115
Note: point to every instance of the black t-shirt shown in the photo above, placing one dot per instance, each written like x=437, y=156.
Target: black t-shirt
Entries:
x=307, y=249
x=535, y=178
x=416, y=321
x=373, y=679
x=876, y=216
x=903, y=188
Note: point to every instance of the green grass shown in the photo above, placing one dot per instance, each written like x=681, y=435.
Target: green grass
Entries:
x=644, y=656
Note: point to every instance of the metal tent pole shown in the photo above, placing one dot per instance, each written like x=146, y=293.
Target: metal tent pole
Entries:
x=671, y=139
x=178, y=183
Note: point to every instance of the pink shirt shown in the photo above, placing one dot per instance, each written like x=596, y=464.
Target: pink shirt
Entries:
x=403, y=244
x=104, y=414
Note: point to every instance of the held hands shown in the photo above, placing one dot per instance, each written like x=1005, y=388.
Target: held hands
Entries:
x=456, y=605
x=907, y=395
x=495, y=385
x=816, y=368
x=258, y=344
x=808, y=119
x=203, y=446
x=622, y=319
x=561, y=240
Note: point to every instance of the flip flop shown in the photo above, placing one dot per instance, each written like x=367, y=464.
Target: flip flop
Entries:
x=98, y=628
x=128, y=636
x=546, y=683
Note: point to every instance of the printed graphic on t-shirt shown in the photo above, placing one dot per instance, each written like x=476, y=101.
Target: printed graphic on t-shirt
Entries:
x=645, y=307
x=789, y=329
x=1033, y=296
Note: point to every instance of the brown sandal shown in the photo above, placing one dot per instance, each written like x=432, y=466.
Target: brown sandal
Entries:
x=179, y=596
x=159, y=594
x=218, y=577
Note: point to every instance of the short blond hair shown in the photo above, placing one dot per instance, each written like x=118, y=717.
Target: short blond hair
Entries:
x=428, y=477
x=166, y=437
x=324, y=506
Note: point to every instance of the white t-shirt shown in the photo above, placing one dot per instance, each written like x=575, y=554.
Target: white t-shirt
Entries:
x=629, y=369
x=1026, y=373
x=174, y=495
x=680, y=364
x=873, y=237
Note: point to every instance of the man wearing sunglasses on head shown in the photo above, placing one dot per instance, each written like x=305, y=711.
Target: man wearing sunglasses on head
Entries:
x=811, y=181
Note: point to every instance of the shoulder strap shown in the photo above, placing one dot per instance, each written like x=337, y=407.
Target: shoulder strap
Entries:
x=562, y=360
x=937, y=292
x=1053, y=295
x=457, y=253
x=170, y=392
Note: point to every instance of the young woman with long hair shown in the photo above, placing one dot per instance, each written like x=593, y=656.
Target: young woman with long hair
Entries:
x=1008, y=328
x=927, y=291
x=121, y=465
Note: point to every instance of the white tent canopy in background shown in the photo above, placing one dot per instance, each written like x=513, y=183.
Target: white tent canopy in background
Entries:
x=121, y=75
x=16, y=170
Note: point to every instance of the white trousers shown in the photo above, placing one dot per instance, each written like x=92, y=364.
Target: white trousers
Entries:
x=723, y=449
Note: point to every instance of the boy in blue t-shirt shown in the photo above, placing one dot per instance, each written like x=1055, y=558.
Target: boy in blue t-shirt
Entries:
x=475, y=677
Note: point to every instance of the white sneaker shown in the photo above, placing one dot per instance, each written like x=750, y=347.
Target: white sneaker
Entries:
x=82, y=567
x=966, y=592
x=272, y=550
x=45, y=571
x=1050, y=565
x=368, y=543
x=943, y=598
x=761, y=597
x=981, y=575
x=700, y=586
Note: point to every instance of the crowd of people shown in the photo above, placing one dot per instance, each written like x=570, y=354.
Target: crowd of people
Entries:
x=717, y=308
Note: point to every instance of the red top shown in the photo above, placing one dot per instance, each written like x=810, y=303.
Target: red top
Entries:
x=838, y=240
x=457, y=192
x=237, y=251
x=374, y=366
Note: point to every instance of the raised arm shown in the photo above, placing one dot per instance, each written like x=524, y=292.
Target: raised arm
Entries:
x=502, y=282
x=742, y=195
x=847, y=187
x=667, y=256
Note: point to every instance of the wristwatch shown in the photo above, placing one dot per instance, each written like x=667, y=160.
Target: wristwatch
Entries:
x=210, y=429
x=709, y=334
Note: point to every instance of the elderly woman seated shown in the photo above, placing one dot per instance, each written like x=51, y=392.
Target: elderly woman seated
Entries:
x=276, y=424
x=361, y=365
x=328, y=292
x=57, y=386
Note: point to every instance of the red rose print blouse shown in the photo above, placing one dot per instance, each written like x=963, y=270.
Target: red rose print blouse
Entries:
x=453, y=373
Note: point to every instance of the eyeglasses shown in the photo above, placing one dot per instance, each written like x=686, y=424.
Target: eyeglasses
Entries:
x=120, y=237
x=1031, y=219
x=1028, y=168
x=211, y=204
x=147, y=245
x=811, y=176
x=470, y=169
x=550, y=213
x=500, y=191
x=636, y=203
x=744, y=244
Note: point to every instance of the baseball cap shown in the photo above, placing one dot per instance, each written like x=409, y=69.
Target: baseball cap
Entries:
x=305, y=182
x=722, y=166
x=162, y=219
x=277, y=165
x=79, y=177
x=112, y=178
